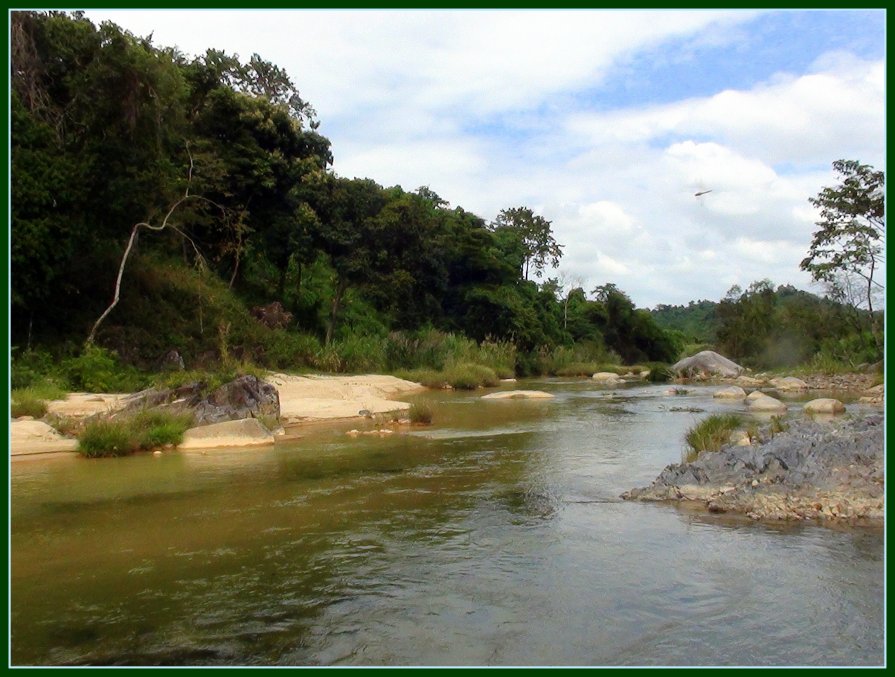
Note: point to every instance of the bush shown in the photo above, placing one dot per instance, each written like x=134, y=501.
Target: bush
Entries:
x=468, y=376
x=27, y=405
x=289, y=350
x=99, y=370
x=30, y=368
x=421, y=413
x=120, y=436
x=358, y=354
x=659, y=372
x=712, y=433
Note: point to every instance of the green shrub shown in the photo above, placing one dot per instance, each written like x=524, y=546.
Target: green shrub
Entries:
x=420, y=412
x=142, y=431
x=107, y=438
x=468, y=376
x=431, y=378
x=659, y=372
x=27, y=405
x=357, y=354
x=577, y=369
x=712, y=433
x=289, y=350
x=99, y=370
x=30, y=368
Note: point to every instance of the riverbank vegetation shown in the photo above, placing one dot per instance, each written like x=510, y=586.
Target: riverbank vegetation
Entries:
x=711, y=434
x=124, y=435
x=196, y=195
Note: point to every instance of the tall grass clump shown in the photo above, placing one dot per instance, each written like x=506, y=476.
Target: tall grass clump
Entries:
x=32, y=401
x=712, y=433
x=125, y=435
x=659, y=372
x=358, y=354
x=469, y=376
x=421, y=413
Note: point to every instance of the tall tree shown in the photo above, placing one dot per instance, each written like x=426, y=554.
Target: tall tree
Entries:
x=851, y=240
x=534, y=236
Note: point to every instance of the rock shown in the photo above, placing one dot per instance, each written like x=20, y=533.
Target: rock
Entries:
x=272, y=315
x=244, y=397
x=518, y=395
x=812, y=470
x=37, y=437
x=507, y=380
x=707, y=363
x=824, y=405
x=875, y=391
x=172, y=361
x=766, y=403
x=730, y=393
x=25, y=418
x=789, y=383
x=247, y=432
x=751, y=382
x=740, y=438
x=754, y=395
x=607, y=377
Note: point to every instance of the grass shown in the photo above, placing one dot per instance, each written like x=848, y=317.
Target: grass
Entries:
x=145, y=430
x=421, y=413
x=712, y=433
x=32, y=401
x=464, y=376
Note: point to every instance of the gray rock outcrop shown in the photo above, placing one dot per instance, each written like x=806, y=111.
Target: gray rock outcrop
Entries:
x=244, y=397
x=813, y=470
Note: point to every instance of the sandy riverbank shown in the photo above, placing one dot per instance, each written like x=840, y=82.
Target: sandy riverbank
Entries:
x=302, y=399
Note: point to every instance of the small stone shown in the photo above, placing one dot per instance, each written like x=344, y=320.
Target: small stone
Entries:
x=156, y=453
x=754, y=483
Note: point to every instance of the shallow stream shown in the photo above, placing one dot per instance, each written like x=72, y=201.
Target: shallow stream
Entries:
x=496, y=536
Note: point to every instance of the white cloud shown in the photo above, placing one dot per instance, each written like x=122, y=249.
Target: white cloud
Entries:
x=496, y=109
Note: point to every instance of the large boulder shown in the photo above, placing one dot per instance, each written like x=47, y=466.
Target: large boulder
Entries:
x=607, y=378
x=707, y=363
x=244, y=397
x=824, y=405
x=766, y=403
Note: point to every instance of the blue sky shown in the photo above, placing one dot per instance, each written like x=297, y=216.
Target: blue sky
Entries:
x=604, y=122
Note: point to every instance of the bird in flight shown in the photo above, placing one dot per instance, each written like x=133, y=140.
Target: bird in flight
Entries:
x=703, y=192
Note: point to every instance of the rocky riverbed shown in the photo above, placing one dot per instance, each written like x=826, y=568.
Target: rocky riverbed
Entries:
x=820, y=470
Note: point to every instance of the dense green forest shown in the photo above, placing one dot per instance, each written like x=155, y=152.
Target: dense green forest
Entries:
x=202, y=191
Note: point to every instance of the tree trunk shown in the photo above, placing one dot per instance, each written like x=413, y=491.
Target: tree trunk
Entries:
x=341, y=285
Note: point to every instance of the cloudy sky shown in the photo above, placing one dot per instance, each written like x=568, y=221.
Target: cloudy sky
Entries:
x=604, y=122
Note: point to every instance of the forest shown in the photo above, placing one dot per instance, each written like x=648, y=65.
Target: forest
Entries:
x=162, y=203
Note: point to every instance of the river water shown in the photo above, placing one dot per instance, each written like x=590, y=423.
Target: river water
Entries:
x=493, y=537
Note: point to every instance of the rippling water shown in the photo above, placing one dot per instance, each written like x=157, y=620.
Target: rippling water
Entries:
x=494, y=537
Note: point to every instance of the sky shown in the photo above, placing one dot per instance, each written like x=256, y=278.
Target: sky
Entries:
x=606, y=123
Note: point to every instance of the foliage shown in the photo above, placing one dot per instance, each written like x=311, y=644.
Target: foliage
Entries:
x=712, y=433
x=24, y=403
x=120, y=436
x=421, y=413
x=531, y=236
x=659, y=372
x=100, y=371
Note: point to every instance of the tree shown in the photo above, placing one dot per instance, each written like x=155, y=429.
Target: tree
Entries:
x=851, y=240
x=534, y=236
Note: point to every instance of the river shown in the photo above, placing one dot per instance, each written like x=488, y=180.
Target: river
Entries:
x=494, y=537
